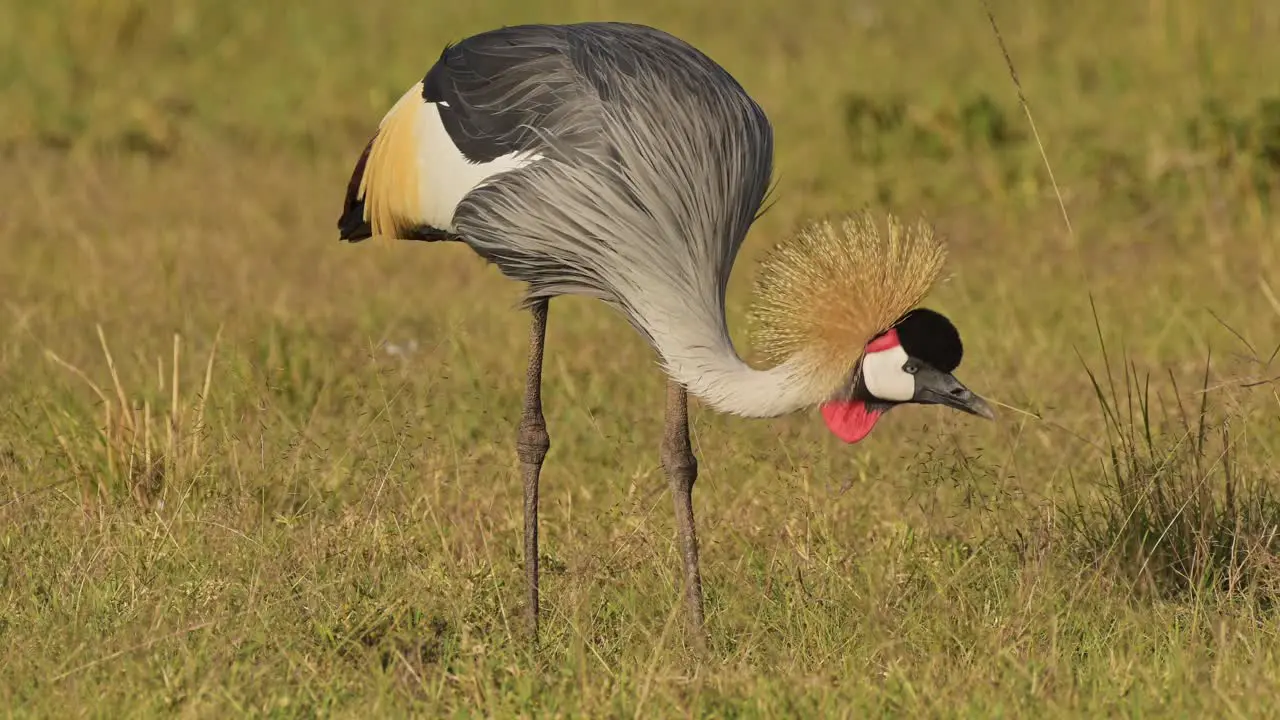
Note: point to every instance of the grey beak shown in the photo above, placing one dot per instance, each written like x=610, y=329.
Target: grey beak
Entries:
x=938, y=388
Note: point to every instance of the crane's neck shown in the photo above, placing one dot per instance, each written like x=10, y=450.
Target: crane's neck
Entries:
x=722, y=380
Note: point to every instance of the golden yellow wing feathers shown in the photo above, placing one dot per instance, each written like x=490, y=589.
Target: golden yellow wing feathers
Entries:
x=390, y=186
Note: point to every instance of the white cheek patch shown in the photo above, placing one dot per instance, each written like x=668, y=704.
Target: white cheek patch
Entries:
x=884, y=377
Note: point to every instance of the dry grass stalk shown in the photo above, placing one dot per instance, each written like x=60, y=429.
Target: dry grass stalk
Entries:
x=136, y=455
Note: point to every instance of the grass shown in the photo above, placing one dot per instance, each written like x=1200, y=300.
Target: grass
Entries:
x=247, y=470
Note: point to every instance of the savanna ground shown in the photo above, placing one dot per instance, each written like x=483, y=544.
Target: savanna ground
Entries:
x=248, y=470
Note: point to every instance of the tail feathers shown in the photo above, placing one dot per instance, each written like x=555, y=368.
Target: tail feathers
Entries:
x=352, y=226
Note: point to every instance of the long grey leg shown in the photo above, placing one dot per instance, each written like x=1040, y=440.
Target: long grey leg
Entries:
x=532, y=444
x=682, y=470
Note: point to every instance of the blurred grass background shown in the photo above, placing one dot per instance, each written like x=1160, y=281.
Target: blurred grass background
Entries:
x=247, y=470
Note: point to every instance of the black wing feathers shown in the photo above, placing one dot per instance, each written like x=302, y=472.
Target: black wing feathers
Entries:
x=498, y=89
x=352, y=226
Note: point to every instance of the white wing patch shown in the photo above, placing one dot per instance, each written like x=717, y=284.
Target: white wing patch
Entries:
x=415, y=175
x=885, y=379
x=445, y=174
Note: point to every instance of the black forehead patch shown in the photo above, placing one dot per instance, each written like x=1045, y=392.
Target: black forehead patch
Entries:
x=929, y=336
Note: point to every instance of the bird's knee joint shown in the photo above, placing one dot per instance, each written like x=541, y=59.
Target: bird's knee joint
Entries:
x=680, y=464
x=532, y=442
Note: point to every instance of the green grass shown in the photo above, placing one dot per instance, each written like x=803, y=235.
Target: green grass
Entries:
x=247, y=470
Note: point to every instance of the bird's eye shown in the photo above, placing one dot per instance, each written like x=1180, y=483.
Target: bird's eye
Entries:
x=911, y=367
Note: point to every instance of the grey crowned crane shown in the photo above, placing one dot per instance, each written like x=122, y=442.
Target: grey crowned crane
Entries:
x=618, y=162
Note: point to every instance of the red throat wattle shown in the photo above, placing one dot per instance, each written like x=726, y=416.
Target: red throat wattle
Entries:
x=850, y=420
